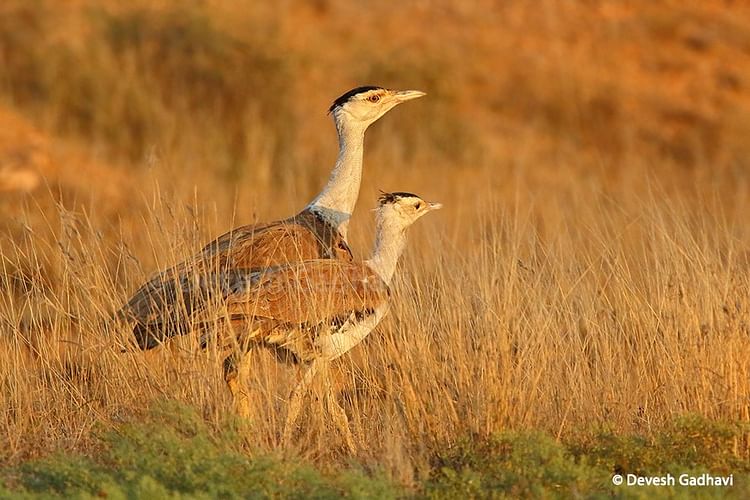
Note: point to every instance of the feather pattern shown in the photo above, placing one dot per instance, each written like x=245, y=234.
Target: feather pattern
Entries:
x=167, y=304
x=315, y=308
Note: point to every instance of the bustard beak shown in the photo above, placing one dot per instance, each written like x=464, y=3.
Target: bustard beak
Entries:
x=407, y=95
x=436, y=206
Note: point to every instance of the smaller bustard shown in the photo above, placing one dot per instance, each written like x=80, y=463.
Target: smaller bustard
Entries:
x=318, y=309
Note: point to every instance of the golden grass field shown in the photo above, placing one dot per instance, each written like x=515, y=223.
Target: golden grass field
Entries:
x=591, y=267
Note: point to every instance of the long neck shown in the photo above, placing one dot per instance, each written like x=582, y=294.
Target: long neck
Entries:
x=337, y=199
x=390, y=241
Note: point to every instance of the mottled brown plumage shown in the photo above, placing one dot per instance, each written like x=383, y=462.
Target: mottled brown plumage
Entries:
x=167, y=304
x=299, y=306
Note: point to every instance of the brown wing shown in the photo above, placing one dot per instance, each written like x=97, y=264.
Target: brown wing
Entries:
x=165, y=306
x=289, y=305
x=303, y=237
x=309, y=292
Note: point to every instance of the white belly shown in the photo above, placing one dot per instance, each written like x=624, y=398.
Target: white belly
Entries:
x=352, y=333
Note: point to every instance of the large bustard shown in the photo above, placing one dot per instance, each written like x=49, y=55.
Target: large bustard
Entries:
x=317, y=309
x=166, y=305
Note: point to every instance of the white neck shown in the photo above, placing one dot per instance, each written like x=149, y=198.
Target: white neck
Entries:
x=336, y=201
x=390, y=241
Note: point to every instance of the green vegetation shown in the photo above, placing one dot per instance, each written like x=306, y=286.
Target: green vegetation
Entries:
x=173, y=453
x=535, y=465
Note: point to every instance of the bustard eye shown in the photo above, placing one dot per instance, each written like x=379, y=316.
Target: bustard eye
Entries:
x=374, y=98
x=418, y=205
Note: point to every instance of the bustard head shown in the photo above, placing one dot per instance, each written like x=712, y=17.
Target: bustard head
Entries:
x=402, y=209
x=365, y=105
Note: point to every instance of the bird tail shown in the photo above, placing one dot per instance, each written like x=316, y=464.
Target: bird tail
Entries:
x=136, y=336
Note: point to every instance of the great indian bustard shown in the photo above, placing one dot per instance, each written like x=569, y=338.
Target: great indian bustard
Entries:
x=166, y=305
x=317, y=310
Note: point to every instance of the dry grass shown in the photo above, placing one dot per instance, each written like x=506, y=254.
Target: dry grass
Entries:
x=591, y=266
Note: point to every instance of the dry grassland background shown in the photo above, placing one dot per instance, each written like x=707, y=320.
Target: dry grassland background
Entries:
x=591, y=266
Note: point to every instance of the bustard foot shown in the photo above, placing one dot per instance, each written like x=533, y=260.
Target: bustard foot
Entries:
x=236, y=367
x=290, y=422
x=338, y=414
x=295, y=402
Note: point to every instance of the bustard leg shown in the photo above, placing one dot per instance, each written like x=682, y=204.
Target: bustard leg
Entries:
x=295, y=401
x=236, y=371
x=338, y=414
